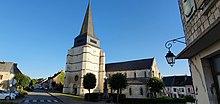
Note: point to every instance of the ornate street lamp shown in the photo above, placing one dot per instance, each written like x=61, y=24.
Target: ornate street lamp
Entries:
x=170, y=57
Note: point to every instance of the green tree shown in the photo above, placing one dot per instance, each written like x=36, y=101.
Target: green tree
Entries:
x=155, y=85
x=62, y=75
x=89, y=81
x=118, y=82
x=22, y=80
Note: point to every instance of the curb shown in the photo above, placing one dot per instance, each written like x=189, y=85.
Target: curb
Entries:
x=55, y=97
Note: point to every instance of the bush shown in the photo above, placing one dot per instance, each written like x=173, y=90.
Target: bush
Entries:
x=93, y=96
x=189, y=98
x=164, y=98
x=22, y=93
x=114, y=96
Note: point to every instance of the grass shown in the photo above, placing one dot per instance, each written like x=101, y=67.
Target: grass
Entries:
x=75, y=97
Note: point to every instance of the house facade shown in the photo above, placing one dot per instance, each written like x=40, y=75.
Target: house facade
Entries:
x=178, y=86
x=201, y=24
x=7, y=72
x=55, y=81
x=137, y=73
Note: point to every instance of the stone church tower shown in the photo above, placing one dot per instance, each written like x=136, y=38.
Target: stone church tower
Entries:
x=84, y=57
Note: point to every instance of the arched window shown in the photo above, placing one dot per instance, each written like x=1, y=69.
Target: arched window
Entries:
x=141, y=91
x=130, y=93
x=134, y=74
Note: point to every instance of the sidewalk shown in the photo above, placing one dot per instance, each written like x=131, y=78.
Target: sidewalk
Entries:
x=67, y=99
x=64, y=98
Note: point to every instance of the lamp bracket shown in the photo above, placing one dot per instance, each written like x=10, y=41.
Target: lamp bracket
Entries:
x=169, y=43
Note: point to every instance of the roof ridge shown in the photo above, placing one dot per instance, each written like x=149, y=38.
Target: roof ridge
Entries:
x=131, y=61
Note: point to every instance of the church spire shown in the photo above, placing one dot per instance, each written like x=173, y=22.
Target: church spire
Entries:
x=87, y=26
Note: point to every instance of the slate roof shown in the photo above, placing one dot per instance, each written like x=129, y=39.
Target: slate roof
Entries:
x=5, y=66
x=8, y=66
x=130, y=65
x=177, y=80
x=88, y=27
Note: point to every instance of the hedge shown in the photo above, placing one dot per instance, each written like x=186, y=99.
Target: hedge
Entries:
x=95, y=97
x=155, y=101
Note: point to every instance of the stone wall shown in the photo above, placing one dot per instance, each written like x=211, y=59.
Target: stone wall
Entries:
x=203, y=18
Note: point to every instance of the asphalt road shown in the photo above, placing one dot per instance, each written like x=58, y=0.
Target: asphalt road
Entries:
x=40, y=97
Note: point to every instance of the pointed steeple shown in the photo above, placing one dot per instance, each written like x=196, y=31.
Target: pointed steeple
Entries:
x=87, y=26
x=87, y=34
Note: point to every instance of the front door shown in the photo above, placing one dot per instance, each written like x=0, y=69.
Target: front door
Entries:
x=216, y=75
x=75, y=91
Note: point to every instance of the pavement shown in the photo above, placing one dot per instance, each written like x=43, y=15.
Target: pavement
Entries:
x=67, y=99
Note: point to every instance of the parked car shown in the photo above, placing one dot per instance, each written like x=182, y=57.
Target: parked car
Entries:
x=17, y=93
x=7, y=95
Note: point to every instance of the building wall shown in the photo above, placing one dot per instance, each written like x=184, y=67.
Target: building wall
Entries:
x=5, y=79
x=81, y=60
x=203, y=18
x=135, y=91
x=202, y=76
x=135, y=86
x=131, y=73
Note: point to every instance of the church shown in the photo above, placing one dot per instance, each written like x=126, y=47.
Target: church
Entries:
x=86, y=56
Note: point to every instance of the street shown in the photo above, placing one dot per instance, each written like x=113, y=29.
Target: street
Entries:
x=44, y=97
x=39, y=97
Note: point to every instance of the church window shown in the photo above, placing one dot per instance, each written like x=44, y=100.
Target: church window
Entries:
x=134, y=74
x=76, y=78
x=153, y=73
x=93, y=41
x=141, y=91
x=145, y=74
x=130, y=93
x=125, y=74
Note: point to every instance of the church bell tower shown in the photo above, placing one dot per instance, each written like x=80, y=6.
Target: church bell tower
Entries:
x=84, y=57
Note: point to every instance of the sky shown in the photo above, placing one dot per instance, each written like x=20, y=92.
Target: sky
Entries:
x=36, y=34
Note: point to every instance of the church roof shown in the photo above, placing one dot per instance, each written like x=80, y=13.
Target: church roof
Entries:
x=177, y=80
x=130, y=65
x=87, y=26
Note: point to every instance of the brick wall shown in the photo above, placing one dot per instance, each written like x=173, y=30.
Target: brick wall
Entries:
x=203, y=18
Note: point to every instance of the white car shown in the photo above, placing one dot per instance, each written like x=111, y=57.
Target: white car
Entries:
x=7, y=95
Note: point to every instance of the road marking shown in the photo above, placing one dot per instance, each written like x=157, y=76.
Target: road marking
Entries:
x=41, y=100
x=49, y=101
x=55, y=101
x=34, y=101
x=26, y=101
